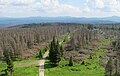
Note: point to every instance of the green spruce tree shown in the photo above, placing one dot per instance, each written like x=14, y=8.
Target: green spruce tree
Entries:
x=51, y=51
x=61, y=50
x=40, y=54
x=57, y=53
x=71, y=61
x=54, y=52
x=8, y=59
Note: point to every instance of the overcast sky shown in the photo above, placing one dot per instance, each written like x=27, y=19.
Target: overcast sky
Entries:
x=54, y=8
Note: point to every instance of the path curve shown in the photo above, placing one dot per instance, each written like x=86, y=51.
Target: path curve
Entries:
x=41, y=64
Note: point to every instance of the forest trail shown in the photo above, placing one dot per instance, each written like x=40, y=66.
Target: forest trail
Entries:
x=42, y=61
x=41, y=64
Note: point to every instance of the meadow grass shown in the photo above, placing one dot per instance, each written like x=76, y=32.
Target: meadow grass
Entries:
x=77, y=70
x=22, y=69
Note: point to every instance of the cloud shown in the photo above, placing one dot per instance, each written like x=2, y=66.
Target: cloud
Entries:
x=100, y=4
x=50, y=3
x=23, y=8
x=103, y=5
x=19, y=2
x=42, y=8
x=55, y=8
x=95, y=3
x=114, y=5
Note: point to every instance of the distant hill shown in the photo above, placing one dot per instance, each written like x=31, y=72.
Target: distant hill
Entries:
x=15, y=21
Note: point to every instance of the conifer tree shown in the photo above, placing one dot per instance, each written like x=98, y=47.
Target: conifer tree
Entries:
x=61, y=50
x=40, y=54
x=57, y=53
x=51, y=52
x=9, y=62
x=71, y=61
x=54, y=53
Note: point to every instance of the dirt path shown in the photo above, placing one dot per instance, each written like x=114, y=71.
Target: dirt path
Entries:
x=41, y=64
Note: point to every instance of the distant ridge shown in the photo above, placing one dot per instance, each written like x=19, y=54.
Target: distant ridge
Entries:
x=5, y=21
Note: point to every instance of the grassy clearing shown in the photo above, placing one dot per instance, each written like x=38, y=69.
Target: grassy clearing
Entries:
x=91, y=67
x=76, y=70
x=26, y=71
x=23, y=69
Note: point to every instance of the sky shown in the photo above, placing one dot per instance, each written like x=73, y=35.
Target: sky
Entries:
x=55, y=8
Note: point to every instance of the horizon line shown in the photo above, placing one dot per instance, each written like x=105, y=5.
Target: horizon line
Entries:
x=56, y=17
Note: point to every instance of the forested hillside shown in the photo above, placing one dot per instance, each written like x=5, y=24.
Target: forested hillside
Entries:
x=78, y=49
x=19, y=40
